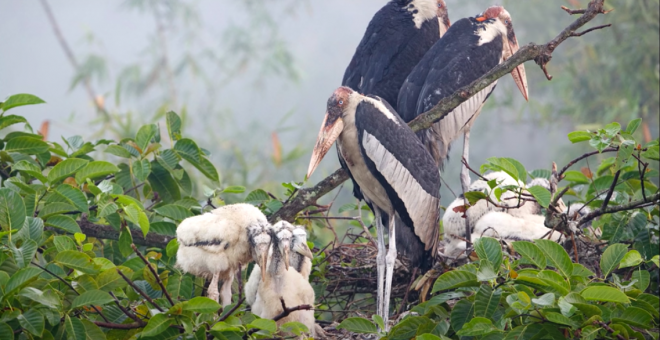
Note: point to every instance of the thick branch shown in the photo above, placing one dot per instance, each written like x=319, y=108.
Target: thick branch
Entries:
x=107, y=232
x=540, y=53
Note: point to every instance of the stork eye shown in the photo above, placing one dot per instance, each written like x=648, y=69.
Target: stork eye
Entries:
x=341, y=102
x=506, y=22
x=439, y=5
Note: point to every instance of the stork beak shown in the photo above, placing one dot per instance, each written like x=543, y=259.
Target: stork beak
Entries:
x=304, y=250
x=286, y=258
x=519, y=75
x=263, y=258
x=327, y=136
x=444, y=24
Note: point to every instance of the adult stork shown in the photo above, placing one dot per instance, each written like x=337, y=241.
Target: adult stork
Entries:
x=470, y=48
x=396, y=39
x=215, y=244
x=396, y=175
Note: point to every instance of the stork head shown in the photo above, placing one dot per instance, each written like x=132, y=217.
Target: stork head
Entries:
x=260, y=239
x=332, y=126
x=500, y=16
x=443, y=17
x=299, y=242
x=282, y=242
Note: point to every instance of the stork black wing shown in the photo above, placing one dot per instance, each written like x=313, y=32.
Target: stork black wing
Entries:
x=390, y=48
x=402, y=165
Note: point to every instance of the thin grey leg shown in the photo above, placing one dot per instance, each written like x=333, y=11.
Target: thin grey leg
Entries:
x=212, y=292
x=390, y=259
x=225, y=290
x=380, y=260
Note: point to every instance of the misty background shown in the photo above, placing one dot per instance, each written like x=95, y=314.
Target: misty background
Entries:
x=251, y=78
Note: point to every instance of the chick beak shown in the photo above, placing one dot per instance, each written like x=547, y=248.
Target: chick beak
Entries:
x=304, y=250
x=519, y=75
x=286, y=258
x=263, y=262
x=327, y=136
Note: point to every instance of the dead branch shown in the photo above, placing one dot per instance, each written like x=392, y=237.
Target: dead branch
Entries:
x=112, y=325
x=539, y=53
x=139, y=291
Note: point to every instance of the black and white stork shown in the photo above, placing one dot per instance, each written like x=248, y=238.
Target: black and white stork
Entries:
x=395, y=173
x=470, y=48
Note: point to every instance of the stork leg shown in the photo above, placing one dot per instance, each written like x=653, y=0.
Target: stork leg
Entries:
x=225, y=290
x=390, y=259
x=212, y=292
x=465, y=173
x=380, y=260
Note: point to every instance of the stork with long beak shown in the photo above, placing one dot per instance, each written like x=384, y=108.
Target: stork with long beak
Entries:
x=470, y=48
x=395, y=174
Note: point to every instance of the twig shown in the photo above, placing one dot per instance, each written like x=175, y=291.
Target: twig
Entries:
x=579, y=34
x=364, y=226
x=134, y=188
x=609, y=329
x=611, y=191
x=655, y=199
x=139, y=291
x=154, y=272
x=111, y=325
x=472, y=170
x=232, y=310
x=70, y=286
x=642, y=173
x=125, y=311
x=571, y=163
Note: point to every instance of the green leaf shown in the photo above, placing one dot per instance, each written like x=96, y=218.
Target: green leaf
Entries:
x=135, y=214
x=75, y=329
x=24, y=255
x=188, y=150
x=175, y=212
x=21, y=278
x=6, y=332
x=544, y=300
x=173, y=125
x=486, y=301
x=631, y=259
x=460, y=314
x=118, y=151
x=31, y=169
x=408, y=328
x=26, y=145
x=12, y=210
x=92, y=331
x=611, y=258
x=162, y=182
x=474, y=196
x=141, y=169
x=579, y=136
x=526, y=332
x=358, y=325
x=635, y=317
x=263, y=324
x=633, y=125
x=581, y=271
x=20, y=100
x=63, y=222
x=643, y=278
x=94, y=170
x=489, y=249
x=234, y=189
x=541, y=194
x=55, y=208
x=454, y=279
x=605, y=294
x=555, y=281
x=522, y=172
x=145, y=135
x=9, y=120
x=73, y=196
x=294, y=327
x=32, y=321
x=257, y=197
x=477, y=326
x=560, y=319
x=77, y=260
x=576, y=177
x=157, y=324
x=612, y=129
x=201, y=304
x=531, y=252
x=92, y=298
x=557, y=256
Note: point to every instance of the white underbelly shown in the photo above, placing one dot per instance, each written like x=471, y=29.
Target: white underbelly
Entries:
x=369, y=184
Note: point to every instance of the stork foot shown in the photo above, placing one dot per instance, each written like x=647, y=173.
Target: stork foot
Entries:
x=212, y=293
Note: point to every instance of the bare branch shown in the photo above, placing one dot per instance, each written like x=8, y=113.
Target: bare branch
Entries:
x=111, y=325
x=611, y=191
x=579, y=34
x=655, y=199
x=139, y=291
x=155, y=273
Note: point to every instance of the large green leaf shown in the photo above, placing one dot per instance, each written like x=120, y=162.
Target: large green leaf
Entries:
x=92, y=331
x=20, y=99
x=531, y=252
x=201, y=304
x=174, y=212
x=605, y=294
x=486, y=301
x=477, y=326
x=173, y=125
x=541, y=194
x=454, y=279
x=162, y=182
x=631, y=259
x=6, y=332
x=21, y=278
x=64, y=222
x=47, y=298
x=560, y=319
x=94, y=170
x=461, y=314
x=32, y=321
x=74, y=196
x=12, y=210
x=557, y=256
x=358, y=325
x=579, y=136
x=526, y=332
x=145, y=135
x=30, y=169
x=77, y=260
x=141, y=169
x=24, y=255
x=56, y=208
x=9, y=120
x=157, y=324
x=188, y=150
x=75, y=329
x=408, y=328
x=635, y=317
x=26, y=145
x=556, y=281
x=611, y=258
x=65, y=169
x=110, y=280
x=92, y=298
x=489, y=249
x=263, y=324
x=118, y=151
